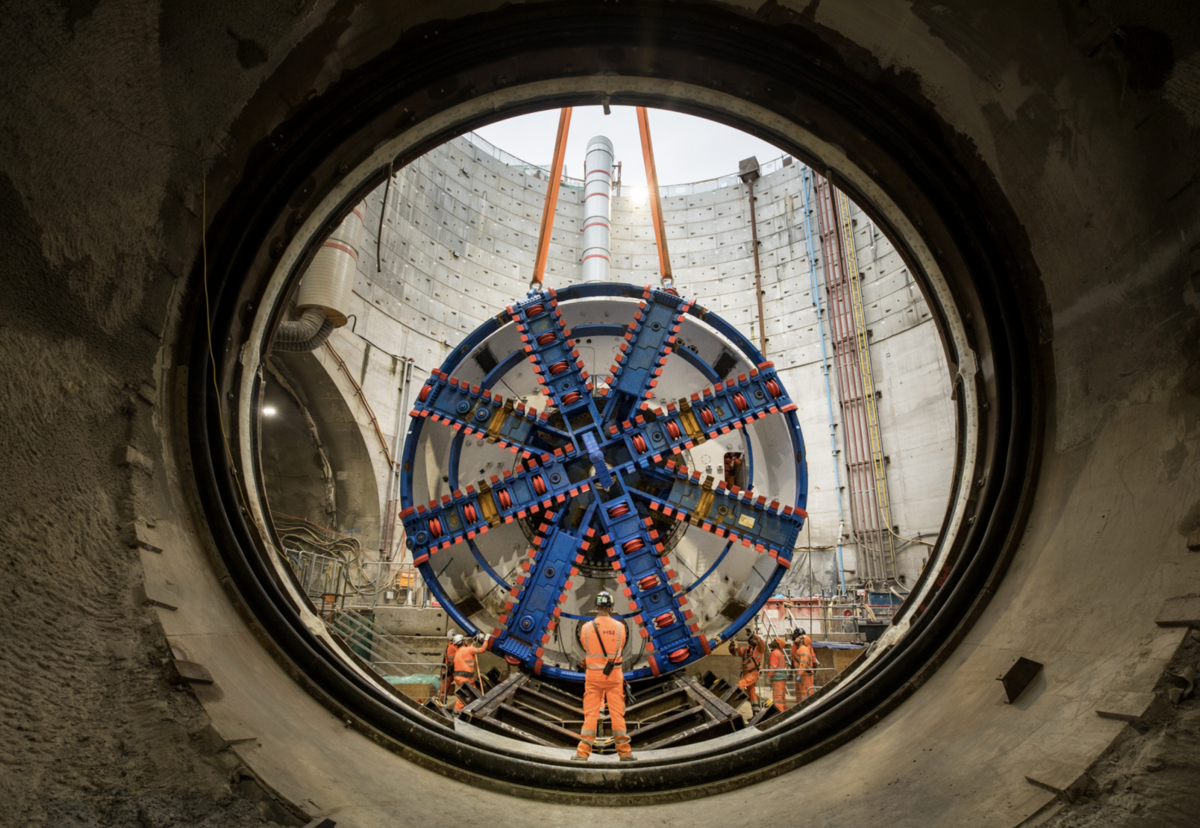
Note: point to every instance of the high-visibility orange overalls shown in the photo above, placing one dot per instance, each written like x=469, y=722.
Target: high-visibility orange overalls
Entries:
x=805, y=661
x=464, y=669
x=603, y=640
x=448, y=669
x=778, y=678
x=751, y=661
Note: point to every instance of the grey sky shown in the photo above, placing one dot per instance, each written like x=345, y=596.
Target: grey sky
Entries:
x=686, y=149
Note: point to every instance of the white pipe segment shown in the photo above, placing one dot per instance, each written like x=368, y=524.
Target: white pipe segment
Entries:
x=597, y=209
x=329, y=281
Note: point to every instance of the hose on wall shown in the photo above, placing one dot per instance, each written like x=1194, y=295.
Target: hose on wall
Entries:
x=323, y=300
x=305, y=334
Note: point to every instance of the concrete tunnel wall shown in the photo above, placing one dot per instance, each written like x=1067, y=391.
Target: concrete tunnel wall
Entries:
x=1091, y=137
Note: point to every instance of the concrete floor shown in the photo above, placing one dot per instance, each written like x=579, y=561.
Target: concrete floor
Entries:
x=1086, y=119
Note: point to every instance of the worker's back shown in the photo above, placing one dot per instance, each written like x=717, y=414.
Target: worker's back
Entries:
x=603, y=634
x=752, y=655
x=464, y=659
x=803, y=656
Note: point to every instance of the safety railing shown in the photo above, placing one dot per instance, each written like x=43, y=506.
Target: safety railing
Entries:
x=508, y=159
x=691, y=188
x=384, y=652
x=330, y=581
x=384, y=583
x=821, y=618
x=821, y=677
x=322, y=577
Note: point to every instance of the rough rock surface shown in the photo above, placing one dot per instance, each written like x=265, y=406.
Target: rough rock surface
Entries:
x=97, y=176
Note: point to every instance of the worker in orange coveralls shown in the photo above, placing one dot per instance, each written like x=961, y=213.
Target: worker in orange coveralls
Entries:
x=804, y=660
x=448, y=665
x=778, y=674
x=466, y=671
x=603, y=641
x=751, y=655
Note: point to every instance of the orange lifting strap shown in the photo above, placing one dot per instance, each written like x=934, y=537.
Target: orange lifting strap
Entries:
x=560, y=148
x=660, y=234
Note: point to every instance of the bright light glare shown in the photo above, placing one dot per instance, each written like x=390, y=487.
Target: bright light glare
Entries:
x=269, y=410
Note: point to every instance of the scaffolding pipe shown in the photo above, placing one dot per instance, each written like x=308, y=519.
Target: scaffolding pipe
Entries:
x=758, y=290
x=390, y=514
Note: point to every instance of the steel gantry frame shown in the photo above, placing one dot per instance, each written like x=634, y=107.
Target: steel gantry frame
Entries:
x=866, y=476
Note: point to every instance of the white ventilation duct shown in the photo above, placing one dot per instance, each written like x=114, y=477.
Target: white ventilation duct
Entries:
x=597, y=209
x=329, y=282
x=323, y=301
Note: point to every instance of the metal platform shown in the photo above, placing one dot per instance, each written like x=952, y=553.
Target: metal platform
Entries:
x=669, y=712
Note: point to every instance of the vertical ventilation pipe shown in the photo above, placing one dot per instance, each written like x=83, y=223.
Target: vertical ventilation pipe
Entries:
x=329, y=282
x=323, y=301
x=597, y=209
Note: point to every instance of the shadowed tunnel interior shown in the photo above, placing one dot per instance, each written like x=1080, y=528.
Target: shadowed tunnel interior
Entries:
x=164, y=171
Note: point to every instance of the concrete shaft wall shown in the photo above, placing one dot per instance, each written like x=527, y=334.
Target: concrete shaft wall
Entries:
x=459, y=236
x=109, y=112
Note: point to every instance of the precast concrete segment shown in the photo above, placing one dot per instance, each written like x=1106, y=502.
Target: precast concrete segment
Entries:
x=1084, y=118
x=597, y=210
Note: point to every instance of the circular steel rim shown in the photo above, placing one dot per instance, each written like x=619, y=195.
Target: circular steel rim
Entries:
x=953, y=202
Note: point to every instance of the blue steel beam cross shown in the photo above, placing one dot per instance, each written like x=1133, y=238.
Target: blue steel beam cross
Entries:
x=600, y=451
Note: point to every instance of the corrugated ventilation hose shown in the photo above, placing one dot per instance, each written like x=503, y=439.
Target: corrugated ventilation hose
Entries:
x=305, y=334
x=323, y=300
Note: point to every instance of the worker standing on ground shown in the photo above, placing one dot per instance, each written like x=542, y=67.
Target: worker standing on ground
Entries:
x=778, y=674
x=751, y=656
x=603, y=641
x=465, y=667
x=804, y=660
x=448, y=665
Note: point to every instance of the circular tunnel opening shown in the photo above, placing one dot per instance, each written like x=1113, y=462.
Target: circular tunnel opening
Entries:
x=424, y=302
x=949, y=235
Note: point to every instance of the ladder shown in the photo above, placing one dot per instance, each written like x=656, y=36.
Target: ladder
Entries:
x=868, y=377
